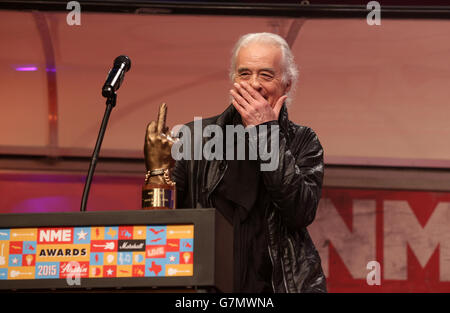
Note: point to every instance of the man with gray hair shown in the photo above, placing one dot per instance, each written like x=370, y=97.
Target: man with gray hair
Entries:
x=269, y=210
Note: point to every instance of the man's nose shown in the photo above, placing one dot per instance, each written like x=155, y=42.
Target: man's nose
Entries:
x=254, y=82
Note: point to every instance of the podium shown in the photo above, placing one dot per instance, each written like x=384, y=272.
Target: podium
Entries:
x=144, y=250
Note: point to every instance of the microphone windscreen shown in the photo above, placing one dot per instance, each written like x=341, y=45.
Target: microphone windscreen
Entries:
x=123, y=59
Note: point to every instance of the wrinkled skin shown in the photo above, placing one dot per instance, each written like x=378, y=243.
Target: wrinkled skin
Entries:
x=259, y=91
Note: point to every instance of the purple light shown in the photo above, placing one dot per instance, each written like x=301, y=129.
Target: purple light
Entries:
x=46, y=204
x=26, y=68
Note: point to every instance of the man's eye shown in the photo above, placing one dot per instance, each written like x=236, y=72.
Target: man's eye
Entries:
x=244, y=74
x=266, y=76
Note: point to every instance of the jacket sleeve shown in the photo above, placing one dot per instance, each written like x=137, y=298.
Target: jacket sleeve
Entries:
x=295, y=185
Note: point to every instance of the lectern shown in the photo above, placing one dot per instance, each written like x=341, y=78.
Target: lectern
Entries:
x=183, y=249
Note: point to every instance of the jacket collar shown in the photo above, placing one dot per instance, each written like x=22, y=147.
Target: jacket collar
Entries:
x=212, y=173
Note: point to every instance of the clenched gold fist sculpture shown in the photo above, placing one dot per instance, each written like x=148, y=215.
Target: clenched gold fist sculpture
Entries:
x=159, y=191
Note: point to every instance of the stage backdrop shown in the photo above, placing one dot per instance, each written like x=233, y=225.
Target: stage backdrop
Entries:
x=406, y=232
x=375, y=95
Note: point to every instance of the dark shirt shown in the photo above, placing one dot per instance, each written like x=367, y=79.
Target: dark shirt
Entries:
x=239, y=197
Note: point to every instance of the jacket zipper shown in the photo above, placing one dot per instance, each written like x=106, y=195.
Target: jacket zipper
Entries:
x=292, y=250
x=273, y=266
x=284, y=277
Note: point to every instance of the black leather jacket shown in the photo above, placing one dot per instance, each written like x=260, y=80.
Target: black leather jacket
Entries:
x=294, y=190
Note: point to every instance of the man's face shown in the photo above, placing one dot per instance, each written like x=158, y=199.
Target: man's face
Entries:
x=259, y=64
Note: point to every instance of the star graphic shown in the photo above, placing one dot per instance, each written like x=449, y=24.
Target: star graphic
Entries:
x=15, y=260
x=172, y=258
x=109, y=272
x=81, y=235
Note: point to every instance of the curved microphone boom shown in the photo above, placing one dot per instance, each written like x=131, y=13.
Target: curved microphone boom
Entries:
x=115, y=77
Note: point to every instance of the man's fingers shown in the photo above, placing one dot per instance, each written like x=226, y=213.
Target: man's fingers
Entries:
x=251, y=91
x=239, y=100
x=238, y=107
x=162, y=114
x=244, y=93
x=279, y=105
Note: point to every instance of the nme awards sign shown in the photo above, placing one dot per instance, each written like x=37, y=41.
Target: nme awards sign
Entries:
x=98, y=252
x=406, y=232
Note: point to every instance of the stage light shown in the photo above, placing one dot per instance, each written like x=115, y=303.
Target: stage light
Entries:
x=26, y=68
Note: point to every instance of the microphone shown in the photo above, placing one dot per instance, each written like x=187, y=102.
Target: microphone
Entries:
x=115, y=76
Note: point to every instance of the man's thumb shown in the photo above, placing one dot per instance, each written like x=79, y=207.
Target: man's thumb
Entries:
x=279, y=105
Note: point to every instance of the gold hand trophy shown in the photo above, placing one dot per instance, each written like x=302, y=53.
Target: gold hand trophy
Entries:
x=159, y=191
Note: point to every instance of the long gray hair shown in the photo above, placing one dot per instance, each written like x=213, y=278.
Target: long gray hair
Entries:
x=289, y=68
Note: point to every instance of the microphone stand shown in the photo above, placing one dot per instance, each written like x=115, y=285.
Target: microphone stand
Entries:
x=110, y=104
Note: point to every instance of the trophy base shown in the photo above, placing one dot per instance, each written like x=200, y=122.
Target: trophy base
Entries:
x=158, y=197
